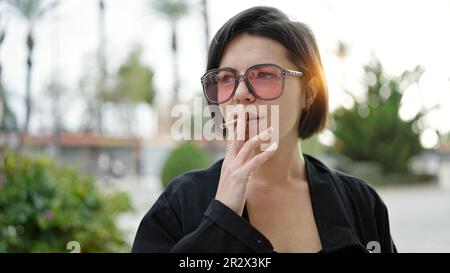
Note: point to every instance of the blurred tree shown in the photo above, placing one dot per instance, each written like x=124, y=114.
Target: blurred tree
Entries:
x=312, y=146
x=56, y=91
x=31, y=11
x=88, y=93
x=101, y=58
x=172, y=10
x=372, y=129
x=8, y=120
x=205, y=21
x=342, y=50
x=94, y=82
x=133, y=84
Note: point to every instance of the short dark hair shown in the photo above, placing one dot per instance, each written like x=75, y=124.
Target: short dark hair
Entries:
x=302, y=50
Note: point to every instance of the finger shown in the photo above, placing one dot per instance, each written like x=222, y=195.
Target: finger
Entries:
x=240, y=127
x=249, y=146
x=231, y=133
x=259, y=159
x=237, y=131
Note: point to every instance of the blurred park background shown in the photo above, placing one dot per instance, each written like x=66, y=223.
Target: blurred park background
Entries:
x=86, y=89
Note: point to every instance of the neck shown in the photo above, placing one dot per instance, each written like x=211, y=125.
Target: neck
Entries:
x=286, y=165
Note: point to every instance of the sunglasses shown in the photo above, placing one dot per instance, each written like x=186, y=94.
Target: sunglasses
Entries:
x=264, y=81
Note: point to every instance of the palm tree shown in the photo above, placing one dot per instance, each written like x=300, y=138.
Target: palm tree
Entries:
x=101, y=57
x=8, y=121
x=205, y=21
x=172, y=10
x=31, y=11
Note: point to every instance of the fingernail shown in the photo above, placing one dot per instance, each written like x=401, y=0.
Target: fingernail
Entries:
x=265, y=135
x=272, y=147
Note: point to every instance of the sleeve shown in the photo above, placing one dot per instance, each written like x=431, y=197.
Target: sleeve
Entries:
x=220, y=230
x=386, y=241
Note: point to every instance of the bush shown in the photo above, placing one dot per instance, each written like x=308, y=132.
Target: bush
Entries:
x=184, y=158
x=399, y=179
x=372, y=130
x=43, y=207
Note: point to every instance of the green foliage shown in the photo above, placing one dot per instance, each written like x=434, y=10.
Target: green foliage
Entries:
x=184, y=158
x=43, y=207
x=372, y=130
x=398, y=179
x=312, y=146
x=173, y=10
x=32, y=10
x=134, y=82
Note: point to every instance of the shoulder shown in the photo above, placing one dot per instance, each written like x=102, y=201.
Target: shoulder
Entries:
x=370, y=213
x=356, y=190
x=360, y=190
x=364, y=201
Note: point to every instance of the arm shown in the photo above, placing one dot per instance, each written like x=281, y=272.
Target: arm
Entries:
x=220, y=230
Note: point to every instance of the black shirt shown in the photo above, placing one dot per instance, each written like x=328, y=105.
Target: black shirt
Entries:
x=186, y=218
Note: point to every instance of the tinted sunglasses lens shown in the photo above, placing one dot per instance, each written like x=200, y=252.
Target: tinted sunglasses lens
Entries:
x=267, y=81
x=219, y=85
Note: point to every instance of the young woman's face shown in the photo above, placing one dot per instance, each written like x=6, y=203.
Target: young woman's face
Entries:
x=247, y=50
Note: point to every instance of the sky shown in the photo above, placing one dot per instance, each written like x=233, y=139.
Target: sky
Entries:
x=402, y=34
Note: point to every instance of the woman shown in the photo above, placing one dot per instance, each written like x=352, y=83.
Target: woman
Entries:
x=266, y=200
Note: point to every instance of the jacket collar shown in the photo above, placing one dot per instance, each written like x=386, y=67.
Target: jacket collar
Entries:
x=332, y=217
x=330, y=213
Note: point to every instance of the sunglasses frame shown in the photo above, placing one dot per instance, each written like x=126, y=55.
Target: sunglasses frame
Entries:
x=284, y=72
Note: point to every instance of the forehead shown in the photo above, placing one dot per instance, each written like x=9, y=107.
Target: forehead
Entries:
x=246, y=50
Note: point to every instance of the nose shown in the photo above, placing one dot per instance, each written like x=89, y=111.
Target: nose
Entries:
x=242, y=94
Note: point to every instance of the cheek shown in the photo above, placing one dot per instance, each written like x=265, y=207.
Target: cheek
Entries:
x=287, y=114
x=290, y=106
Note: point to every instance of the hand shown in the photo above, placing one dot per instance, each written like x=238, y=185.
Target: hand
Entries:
x=238, y=165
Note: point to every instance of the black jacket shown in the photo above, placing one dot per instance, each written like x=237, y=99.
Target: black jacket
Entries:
x=349, y=214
